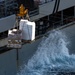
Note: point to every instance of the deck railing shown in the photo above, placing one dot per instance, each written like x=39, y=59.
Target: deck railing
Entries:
x=63, y=22
x=41, y=29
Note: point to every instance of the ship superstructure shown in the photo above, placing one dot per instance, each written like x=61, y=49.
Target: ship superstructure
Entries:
x=7, y=7
x=47, y=14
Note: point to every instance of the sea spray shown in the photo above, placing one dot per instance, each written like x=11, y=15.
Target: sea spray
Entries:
x=51, y=57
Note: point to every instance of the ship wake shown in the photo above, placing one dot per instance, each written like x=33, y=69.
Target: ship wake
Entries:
x=51, y=58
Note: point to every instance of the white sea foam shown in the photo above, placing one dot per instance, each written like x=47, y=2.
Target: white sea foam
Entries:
x=51, y=57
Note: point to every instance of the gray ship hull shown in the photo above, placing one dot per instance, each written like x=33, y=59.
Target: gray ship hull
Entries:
x=8, y=60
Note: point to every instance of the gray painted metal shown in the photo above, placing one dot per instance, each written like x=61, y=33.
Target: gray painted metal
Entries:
x=44, y=10
x=70, y=33
x=47, y=8
x=7, y=23
x=8, y=62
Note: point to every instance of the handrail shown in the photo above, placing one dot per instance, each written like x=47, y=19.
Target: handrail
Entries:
x=65, y=21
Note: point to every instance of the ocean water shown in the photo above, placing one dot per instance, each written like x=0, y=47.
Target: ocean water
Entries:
x=51, y=58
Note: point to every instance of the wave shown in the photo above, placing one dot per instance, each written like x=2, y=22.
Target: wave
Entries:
x=51, y=58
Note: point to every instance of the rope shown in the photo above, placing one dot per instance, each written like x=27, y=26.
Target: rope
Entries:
x=27, y=16
x=16, y=24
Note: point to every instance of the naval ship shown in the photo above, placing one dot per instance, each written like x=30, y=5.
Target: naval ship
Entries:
x=47, y=15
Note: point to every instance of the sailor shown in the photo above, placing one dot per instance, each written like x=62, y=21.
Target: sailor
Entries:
x=23, y=12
